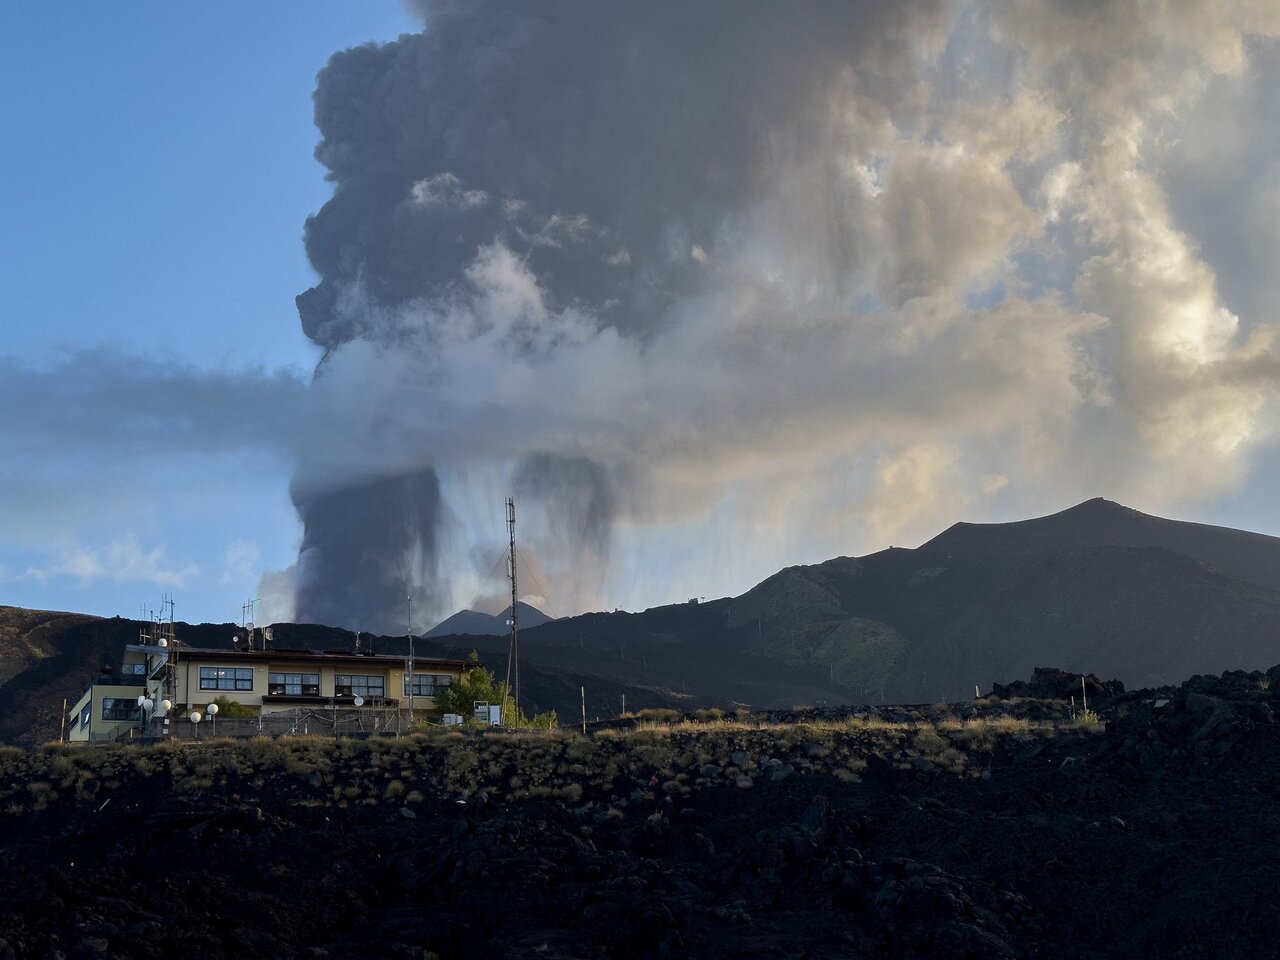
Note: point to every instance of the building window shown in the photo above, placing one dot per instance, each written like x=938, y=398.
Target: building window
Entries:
x=134, y=669
x=354, y=685
x=427, y=684
x=85, y=714
x=226, y=678
x=117, y=708
x=293, y=684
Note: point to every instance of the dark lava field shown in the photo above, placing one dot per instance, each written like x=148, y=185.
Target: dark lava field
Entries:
x=1000, y=828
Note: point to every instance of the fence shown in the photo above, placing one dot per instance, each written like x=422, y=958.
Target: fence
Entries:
x=359, y=722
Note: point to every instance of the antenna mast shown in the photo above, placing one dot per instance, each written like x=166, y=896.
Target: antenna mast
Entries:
x=168, y=639
x=409, y=665
x=513, y=653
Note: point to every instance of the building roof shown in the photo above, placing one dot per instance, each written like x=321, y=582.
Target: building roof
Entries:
x=321, y=656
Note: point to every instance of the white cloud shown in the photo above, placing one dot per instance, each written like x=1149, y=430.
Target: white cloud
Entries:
x=444, y=189
x=240, y=562
x=125, y=561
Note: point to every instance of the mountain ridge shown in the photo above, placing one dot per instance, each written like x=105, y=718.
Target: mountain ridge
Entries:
x=483, y=624
x=1098, y=588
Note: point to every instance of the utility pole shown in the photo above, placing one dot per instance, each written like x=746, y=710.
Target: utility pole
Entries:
x=513, y=652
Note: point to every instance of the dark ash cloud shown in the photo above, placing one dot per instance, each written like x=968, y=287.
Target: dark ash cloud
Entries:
x=836, y=271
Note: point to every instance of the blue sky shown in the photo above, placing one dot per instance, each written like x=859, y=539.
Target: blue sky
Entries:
x=157, y=170
x=155, y=177
x=1032, y=282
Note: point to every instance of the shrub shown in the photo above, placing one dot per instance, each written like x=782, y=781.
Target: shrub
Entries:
x=929, y=744
x=144, y=765
x=230, y=708
x=544, y=720
x=659, y=715
x=41, y=792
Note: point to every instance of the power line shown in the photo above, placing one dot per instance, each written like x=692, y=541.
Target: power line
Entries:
x=541, y=591
x=485, y=585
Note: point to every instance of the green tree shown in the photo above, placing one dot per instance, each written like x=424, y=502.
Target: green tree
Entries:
x=479, y=685
x=475, y=684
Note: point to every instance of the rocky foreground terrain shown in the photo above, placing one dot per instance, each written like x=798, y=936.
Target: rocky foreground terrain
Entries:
x=1001, y=828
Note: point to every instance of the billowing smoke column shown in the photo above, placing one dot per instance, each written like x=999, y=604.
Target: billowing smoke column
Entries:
x=348, y=576
x=714, y=287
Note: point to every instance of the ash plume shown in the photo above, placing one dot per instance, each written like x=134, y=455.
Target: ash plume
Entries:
x=721, y=286
x=345, y=576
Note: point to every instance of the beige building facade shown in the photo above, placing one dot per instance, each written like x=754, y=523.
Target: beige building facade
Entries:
x=172, y=679
x=274, y=680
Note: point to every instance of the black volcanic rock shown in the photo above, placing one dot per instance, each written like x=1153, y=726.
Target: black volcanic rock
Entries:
x=1151, y=837
x=1050, y=683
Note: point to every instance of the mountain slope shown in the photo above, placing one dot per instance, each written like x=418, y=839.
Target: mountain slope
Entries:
x=46, y=656
x=1098, y=587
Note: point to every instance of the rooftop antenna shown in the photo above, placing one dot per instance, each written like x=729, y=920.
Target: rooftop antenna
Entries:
x=168, y=638
x=513, y=652
x=246, y=618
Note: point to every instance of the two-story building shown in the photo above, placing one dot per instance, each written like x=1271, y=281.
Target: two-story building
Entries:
x=264, y=681
x=273, y=680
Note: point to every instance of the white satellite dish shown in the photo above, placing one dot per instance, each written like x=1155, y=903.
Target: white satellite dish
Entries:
x=195, y=716
x=163, y=642
x=211, y=709
x=141, y=699
x=167, y=704
x=358, y=701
